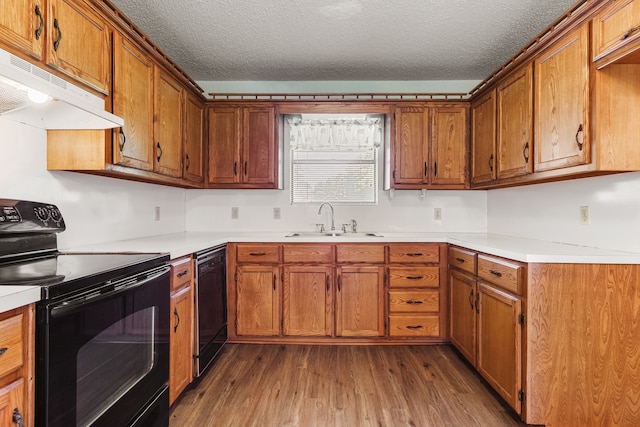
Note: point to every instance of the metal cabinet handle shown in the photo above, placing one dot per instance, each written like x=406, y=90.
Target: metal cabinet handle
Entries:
x=327, y=282
x=41, y=24
x=159, y=151
x=580, y=137
x=245, y=168
x=339, y=284
x=123, y=139
x=525, y=152
x=183, y=273
x=425, y=168
x=461, y=260
x=415, y=277
x=177, y=316
x=188, y=161
x=414, y=326
x=274, y=282
x=495, y=273
x=471, y=299
x=56, y=42
x=491, y=162
x=235, y=168
x=478, y=302
x=411, y=302
x=17, y=417
x=3, y=350
x=257, y=253
x=414, y=254
x=629, y=32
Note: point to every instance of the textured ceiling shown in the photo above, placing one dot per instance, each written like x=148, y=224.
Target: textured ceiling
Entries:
x=291, y=40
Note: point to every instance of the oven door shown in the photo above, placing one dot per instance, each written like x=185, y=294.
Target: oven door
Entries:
x=103, y=357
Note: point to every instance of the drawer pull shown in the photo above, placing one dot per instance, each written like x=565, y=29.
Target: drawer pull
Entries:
x=177, y=317
x=412, y=302
x=414, y=254
x=471, y=299
x=183, y=273
x=414, y=327
x=628, y=33
x=415, y=277
x=495, y=273
x=257, y=253
x=3, y=350
x=460, y=260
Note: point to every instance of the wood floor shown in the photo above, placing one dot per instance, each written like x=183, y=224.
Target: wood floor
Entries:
x=300, y=385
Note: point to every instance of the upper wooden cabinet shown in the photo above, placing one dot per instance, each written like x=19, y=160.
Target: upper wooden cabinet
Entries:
x=168, y=122
x=515, y=122
x=22, y=26
x=429, y=149
x=78, y=43
x=192, y=168
x=562, y=131
x=243, y=149
x=483, y=139
x=616, y=33
x=133, y=97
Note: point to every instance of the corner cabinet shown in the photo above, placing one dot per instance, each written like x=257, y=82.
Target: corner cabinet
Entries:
x=483, y=139
x=168, y=122
x=192, y=164
x=243, y=147
x=429, y=146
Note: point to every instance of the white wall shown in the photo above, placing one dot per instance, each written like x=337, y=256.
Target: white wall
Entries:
x=552, y=211
x=95, y=209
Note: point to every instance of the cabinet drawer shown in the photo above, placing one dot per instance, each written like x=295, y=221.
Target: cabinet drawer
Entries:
x=373, y=254
x=258, y=254
x=414, y=277
x=506, y=274
x=615, y=25
x=312, y=253
x=463, y=259
x=181, y=272
x=416, y=301
x=12, y=357
x=414, y=325
x=414, y=253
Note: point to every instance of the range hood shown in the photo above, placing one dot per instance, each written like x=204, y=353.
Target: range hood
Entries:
x=66, y=107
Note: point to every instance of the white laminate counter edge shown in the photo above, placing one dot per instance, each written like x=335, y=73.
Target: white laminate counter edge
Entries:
x=17, y=296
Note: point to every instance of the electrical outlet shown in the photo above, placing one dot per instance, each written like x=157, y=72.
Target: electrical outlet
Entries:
x=437, y=214
x=157, y=213
x=276, y=213
x=584, y=215
x=235, y=212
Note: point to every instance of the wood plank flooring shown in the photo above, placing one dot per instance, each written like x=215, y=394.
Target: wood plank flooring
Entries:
x=304, y=385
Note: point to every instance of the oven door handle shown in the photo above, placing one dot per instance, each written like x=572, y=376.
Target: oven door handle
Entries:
x=64, y=307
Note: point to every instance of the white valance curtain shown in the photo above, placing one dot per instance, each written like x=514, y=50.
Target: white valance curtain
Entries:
x=341, y=134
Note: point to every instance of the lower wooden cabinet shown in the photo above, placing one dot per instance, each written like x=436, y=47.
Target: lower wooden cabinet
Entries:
x=16, y=366
x=462, y=323
x=181, y=333
x=359, y=301
x=258, y=308
x=307, y=300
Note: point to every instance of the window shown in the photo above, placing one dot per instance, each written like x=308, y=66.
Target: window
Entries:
x=334, y=160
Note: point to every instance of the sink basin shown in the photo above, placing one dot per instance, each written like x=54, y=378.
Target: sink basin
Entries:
x=331, y=234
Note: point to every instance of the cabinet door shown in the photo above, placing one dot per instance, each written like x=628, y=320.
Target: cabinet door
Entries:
x=411, y=146
x=259, y=148
x=22, y=26
x=12, y=398
x=483, y=139
x=168, y=125
x=307, y=300
x=515, y=123
x=193, y=139
x=462, y=325
x=499, y=342
x=257, y=301
x=616, y=25
x=224, y=145
x=562, y=103
x=360, y=301
x=180, y=345
x=448, y=146
x=133, y=77
x=78, y=43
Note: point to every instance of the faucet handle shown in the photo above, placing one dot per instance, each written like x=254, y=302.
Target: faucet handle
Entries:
x=321, y=227
x=344, y=227
x=354, y=226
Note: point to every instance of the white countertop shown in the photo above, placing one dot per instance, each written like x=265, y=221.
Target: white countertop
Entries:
x=525, y=250
x=181, y=244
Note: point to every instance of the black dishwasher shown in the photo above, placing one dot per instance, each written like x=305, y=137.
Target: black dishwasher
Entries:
x=210, y=306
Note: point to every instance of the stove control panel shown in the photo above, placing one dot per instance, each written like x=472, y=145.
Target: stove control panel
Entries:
x=20, y=216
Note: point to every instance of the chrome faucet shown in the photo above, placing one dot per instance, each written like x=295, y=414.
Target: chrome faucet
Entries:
x=333, y=226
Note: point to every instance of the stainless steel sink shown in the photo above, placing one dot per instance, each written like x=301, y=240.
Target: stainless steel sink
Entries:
x=331, y=234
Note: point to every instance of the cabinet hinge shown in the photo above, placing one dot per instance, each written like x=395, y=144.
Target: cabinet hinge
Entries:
x=521, y=319
x=521, y=395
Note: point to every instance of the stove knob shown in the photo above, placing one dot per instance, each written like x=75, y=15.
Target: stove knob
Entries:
x=55, y=215
x=42, y=214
